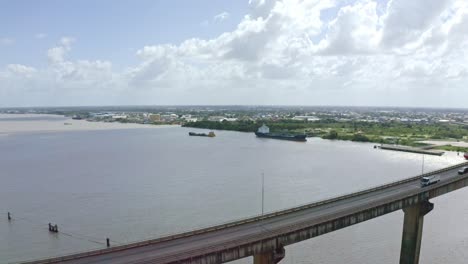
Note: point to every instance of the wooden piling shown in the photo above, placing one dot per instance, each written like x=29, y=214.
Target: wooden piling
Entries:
x=53, y=228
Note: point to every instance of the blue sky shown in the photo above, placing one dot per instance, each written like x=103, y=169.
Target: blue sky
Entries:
x=108, y=29
x=297, y=52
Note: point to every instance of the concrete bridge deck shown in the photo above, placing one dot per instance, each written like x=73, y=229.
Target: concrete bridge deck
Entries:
x=420, y=150
x=259, y=235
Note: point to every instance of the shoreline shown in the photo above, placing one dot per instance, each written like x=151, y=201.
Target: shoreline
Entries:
x=11, y=124
x=398, y=134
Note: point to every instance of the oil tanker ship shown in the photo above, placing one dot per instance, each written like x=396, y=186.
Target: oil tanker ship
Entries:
x=264, y=132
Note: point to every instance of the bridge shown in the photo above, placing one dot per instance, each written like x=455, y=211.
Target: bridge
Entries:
x=264, y=237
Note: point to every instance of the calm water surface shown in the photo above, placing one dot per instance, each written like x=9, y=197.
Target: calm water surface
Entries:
x=143, y=183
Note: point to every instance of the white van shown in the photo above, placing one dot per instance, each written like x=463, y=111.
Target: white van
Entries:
x=428, y=180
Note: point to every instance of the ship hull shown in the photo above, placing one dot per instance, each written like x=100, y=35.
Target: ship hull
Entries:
x=282, y=136
x=201, y=134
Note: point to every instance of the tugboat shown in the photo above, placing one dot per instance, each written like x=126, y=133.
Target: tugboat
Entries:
x=211, y=134
x=264, y=132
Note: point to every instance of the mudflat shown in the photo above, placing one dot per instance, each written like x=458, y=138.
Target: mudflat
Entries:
x=30, y=123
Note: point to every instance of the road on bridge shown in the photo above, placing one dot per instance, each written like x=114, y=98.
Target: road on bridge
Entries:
x=212, y=241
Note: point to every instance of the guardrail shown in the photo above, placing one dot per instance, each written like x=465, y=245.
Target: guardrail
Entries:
x=253, y=238
x=242, y=221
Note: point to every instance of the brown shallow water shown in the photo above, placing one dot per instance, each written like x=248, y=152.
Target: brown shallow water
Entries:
x=136, y=184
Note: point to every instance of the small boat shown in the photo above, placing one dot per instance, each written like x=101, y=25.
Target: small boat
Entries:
x=211, y=134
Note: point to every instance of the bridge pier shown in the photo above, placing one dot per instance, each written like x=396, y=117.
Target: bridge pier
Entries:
x=271, y=257
x=412, y=232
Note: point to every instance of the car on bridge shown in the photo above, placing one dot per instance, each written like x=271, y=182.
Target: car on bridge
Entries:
x=463, y=170
x=428, y=180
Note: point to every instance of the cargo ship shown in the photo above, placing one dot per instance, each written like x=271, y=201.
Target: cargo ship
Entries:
x=211, y=134
x=264, y=132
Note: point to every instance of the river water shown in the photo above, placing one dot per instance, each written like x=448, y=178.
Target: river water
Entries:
x=136, y=184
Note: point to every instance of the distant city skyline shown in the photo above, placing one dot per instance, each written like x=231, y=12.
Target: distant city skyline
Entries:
x=257, y=52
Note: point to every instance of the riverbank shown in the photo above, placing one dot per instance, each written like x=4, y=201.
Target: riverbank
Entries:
x=32, y=123
x=414, y=135
x=411, y=149
x=96, y=185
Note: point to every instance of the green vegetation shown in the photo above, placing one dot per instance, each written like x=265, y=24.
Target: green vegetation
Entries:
x=332, y=134
x=387, y=133
x=243, y=126
x=452, y=148
x=250, y=126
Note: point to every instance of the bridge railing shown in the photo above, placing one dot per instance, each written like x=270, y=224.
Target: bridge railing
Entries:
x=305, y=206
x=249, y=219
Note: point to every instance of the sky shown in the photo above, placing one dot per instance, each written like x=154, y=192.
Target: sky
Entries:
x=218, y=52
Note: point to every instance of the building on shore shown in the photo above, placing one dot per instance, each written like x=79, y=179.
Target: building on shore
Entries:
x=306, y=118
x=119, y=117
x=155, y=117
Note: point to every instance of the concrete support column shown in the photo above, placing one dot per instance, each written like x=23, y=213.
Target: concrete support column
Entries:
x=264, y=258
x=412, y=232
x=271, y=257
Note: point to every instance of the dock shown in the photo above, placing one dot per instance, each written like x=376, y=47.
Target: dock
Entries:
x=412, y=149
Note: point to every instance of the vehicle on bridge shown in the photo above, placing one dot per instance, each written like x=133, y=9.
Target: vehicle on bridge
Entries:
x=463, y=170
x=428, y=180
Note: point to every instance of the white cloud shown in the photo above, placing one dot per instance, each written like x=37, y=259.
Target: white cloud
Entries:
x=67, y=41
x=283, y=52
x=355, y=30
x=40, y=35
x=405, y=21
x=57, y=53
x=62, y=82
x=221, y=17
x=6, y=41
x=21, y=69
